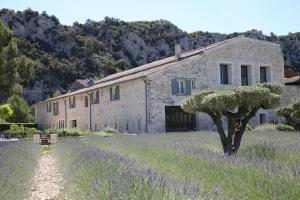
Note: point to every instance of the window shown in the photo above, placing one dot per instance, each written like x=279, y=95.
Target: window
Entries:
x=244, y=75
x=61, y=124
x=55, y=108
x=72, y=102
x=96, y=99
x=86, y=101
x=181, y=87
x=262, y=118
x=265, y=74
x=116, y=125
x=139, y=125
x=224, y=76
x=73, y=123
x=127, y=126
x=114, y=93
x=49, y=107
x=193, y=82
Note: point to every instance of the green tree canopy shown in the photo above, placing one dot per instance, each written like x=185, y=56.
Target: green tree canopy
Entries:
x=22, y=111
x=291, y=114
x=15, y=70
x=56, y=93
x=5, y=112
x=238, y=105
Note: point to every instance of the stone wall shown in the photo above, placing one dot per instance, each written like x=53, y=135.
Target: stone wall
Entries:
x=126, y=114
x=205, y=70
x=290, y=93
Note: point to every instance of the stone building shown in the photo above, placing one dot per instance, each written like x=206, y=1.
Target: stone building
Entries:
x=147, y=98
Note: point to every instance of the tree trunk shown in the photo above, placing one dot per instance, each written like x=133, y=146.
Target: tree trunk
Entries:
x=241, y=129
x=231, y=130
x=218, y=122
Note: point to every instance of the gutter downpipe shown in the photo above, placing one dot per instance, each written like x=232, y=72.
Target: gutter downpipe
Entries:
x=66, y=118
x=90, y=95
x=146, y=104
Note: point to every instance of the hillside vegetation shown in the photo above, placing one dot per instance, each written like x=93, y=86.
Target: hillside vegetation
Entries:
x=97, y=49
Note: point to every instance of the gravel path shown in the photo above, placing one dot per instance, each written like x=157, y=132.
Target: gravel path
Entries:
x=48, y=181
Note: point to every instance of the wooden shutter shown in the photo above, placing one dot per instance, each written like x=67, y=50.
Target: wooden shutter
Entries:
x=117, y=92
x=111, y=94
x=188, y=87
x=174, y=87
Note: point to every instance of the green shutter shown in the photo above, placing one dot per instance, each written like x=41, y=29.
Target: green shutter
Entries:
x=117, y=92
x=111, y=95
x=188, y=87
x=174, y=87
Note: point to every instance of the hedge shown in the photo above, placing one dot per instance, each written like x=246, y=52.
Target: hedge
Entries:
x=6, y=126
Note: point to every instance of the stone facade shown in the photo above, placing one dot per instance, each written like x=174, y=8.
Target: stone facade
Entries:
x=126, y=114
x=142, y=103
x=204, y=69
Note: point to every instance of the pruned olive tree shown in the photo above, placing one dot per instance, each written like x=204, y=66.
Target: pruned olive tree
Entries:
x=291, y=114
x=238, y=105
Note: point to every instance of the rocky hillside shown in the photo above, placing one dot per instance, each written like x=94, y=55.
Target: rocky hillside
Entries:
x=97, y=49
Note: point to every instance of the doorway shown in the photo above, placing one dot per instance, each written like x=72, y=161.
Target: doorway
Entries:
x=178, y=120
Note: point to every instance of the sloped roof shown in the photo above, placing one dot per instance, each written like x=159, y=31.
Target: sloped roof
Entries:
x=141, y=71
x=295, y=80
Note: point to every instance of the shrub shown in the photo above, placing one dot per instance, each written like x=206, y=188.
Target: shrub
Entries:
x=265, y=127
x=67, y=132
x=5, y=112
x=20, y=131
x=21, y=110
x=6, y=126
x=285, y=127
x=107, y=132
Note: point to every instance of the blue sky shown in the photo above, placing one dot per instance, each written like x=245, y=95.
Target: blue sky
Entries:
x=225, y=16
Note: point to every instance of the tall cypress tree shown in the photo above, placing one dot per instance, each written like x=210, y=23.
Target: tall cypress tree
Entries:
x=15, y=69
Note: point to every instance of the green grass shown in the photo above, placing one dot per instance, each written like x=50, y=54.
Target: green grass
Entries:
x=266, y=167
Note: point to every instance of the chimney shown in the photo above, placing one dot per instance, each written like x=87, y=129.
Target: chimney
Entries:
x=177, y=51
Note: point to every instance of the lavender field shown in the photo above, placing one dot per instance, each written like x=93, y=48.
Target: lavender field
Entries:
x=180, y=166
x=18, y=160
